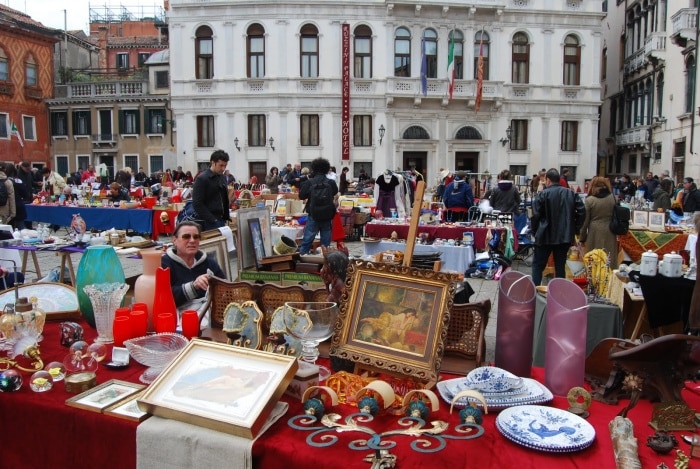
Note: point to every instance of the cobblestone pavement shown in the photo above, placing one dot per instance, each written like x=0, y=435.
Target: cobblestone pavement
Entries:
x=484, y=289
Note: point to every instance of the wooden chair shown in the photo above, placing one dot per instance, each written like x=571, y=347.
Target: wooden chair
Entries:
x=273, y=296
x=466, y=336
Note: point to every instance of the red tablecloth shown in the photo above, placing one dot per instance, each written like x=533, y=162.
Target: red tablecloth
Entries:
x=381, y=230
x=159, y=227
x=41, y=431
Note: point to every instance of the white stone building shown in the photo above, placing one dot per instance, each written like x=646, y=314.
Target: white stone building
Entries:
x=264, y=81
x=649, y=120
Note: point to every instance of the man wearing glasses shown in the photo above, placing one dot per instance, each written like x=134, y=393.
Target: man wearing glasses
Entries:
x=691, y=196
x=190, y=268
x=210, y=194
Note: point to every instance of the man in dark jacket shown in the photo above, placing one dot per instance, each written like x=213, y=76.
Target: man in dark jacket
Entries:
x=320, y=218
x=691, y=196
x=557, y=216
x=210, y=195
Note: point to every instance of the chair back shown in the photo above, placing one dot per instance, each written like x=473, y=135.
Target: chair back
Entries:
x=221, y=293
x=273, y=296
x=466, y=333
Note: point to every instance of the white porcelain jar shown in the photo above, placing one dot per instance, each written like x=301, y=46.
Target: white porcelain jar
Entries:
x=671, y=265
x=650, y=264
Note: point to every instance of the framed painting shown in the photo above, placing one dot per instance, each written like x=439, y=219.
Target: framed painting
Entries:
x=640, y=219
x=213, y=385
x=256, y=239
x=127, y=409
x=657, y=221
x=395, y=319
x=105, y=395
x=216, y=248
x=246, y=257
x=59, y=301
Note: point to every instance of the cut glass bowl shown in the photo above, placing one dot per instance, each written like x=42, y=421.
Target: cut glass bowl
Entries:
x=155, y=351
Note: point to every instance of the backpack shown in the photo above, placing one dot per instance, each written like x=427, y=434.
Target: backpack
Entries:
x=188, y=214
x=3, y=192
x=620, y=221
x=321, y=201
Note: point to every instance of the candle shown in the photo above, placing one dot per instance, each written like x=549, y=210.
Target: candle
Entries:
x=122, y=312
x=190, y=323
x=121, y=330
x=139, y=323
x=165, y=322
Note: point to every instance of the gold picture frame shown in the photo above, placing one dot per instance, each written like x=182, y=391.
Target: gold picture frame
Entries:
x=395, y=319
x=221, y=387
x=128, y=409
x=105, y=395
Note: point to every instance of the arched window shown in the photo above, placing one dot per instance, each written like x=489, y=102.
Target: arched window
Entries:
x=416, y=133
x=402, y=53
x=256, y=51
x=481, y=49
x=308, y=44
x=468, y=133
x=458, y=52
x=30, y=71
x=204, y=52
x=431, y=53
x=689, y=83
x=572, y=61
x=363, y=52
x=647, y=102
x=521, y=58
x=660, y=95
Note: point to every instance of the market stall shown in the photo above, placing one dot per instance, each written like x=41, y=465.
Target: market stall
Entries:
x=444, y=231
x=139, y=220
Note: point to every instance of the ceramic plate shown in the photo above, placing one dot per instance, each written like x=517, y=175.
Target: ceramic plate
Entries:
x=453, y=386
x=531, y=392
x=545, y=428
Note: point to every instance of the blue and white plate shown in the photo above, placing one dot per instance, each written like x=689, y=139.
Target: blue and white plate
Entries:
x=531, y=392
x=492, y=379
x=454, y=386
x=545, y=428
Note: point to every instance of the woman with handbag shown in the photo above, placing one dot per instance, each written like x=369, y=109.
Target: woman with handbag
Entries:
x=595, y=233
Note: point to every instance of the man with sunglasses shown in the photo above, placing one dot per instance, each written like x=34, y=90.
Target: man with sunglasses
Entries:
x=190, y=268
x=210, y=193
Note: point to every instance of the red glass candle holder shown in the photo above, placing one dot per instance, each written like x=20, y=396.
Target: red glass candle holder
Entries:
x=139, y=323
x=190, y=323
x=122, y=312
x=166, y=322
x=140, y=307
x=121, y=330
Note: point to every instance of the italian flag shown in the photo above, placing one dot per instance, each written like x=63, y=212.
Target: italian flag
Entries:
x=15, y=132
x=451, y=67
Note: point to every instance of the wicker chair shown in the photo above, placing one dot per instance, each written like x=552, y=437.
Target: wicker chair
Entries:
x=223, y=292
x=465, y=336
x=273, y=296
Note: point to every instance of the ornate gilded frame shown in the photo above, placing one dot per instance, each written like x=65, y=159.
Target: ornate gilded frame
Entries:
x=376, y=328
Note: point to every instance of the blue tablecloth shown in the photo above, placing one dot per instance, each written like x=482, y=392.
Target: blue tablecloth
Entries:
x=135, y=219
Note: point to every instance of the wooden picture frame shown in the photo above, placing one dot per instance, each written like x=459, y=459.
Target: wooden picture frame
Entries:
x=256, y=239
x=59, y=301
x=105, y=395
x=128, y=409
x=657, y=221
x=395, y=319
x=246, y=257
x=640, y=219
x=224, y=388
x=216, y=247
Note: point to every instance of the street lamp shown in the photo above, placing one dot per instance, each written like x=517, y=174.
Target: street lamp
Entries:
x=272, y=143
x=382, y=131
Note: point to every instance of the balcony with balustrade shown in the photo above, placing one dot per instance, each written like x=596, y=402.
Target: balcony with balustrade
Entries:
x=684, y=23
x=633, y=137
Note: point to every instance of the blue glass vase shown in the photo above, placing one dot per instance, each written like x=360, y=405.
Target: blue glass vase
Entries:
x=99, y=264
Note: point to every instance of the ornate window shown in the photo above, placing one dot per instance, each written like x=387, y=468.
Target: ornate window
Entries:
x=431, y=52
x=458, y=57
x=256, y=51
x=483, y=49
x=521, y=58
x=572, y=61
x=402, y=53
x=363, y=52
x=308, y=44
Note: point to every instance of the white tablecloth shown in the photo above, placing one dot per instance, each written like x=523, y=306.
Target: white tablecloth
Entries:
x=690, y=245
x=454, y=258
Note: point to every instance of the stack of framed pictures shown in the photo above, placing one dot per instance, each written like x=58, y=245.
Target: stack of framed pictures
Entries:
x=114, y=397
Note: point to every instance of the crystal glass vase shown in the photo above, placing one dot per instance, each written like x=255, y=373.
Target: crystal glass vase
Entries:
x=105, y=299
x=312, y=323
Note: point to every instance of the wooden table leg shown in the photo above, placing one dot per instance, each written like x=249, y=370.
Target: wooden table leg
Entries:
x=638, y=324
x=36, y=265
x=24, y=263
x=66, y=261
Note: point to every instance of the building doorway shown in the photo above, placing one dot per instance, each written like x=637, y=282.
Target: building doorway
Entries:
x=417, y=160
x=467, y=161
x=257, y=169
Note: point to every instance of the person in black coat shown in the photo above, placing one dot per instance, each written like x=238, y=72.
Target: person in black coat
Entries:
x=558, y=214
x=691, y=196
x=210, y=193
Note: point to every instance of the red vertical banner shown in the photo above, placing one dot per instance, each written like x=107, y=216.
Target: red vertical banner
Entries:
x=345, y=122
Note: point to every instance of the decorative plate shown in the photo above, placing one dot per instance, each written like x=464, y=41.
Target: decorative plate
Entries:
x=545, y=428
x=492, y=379
x=531, y=392
x=454, y=386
